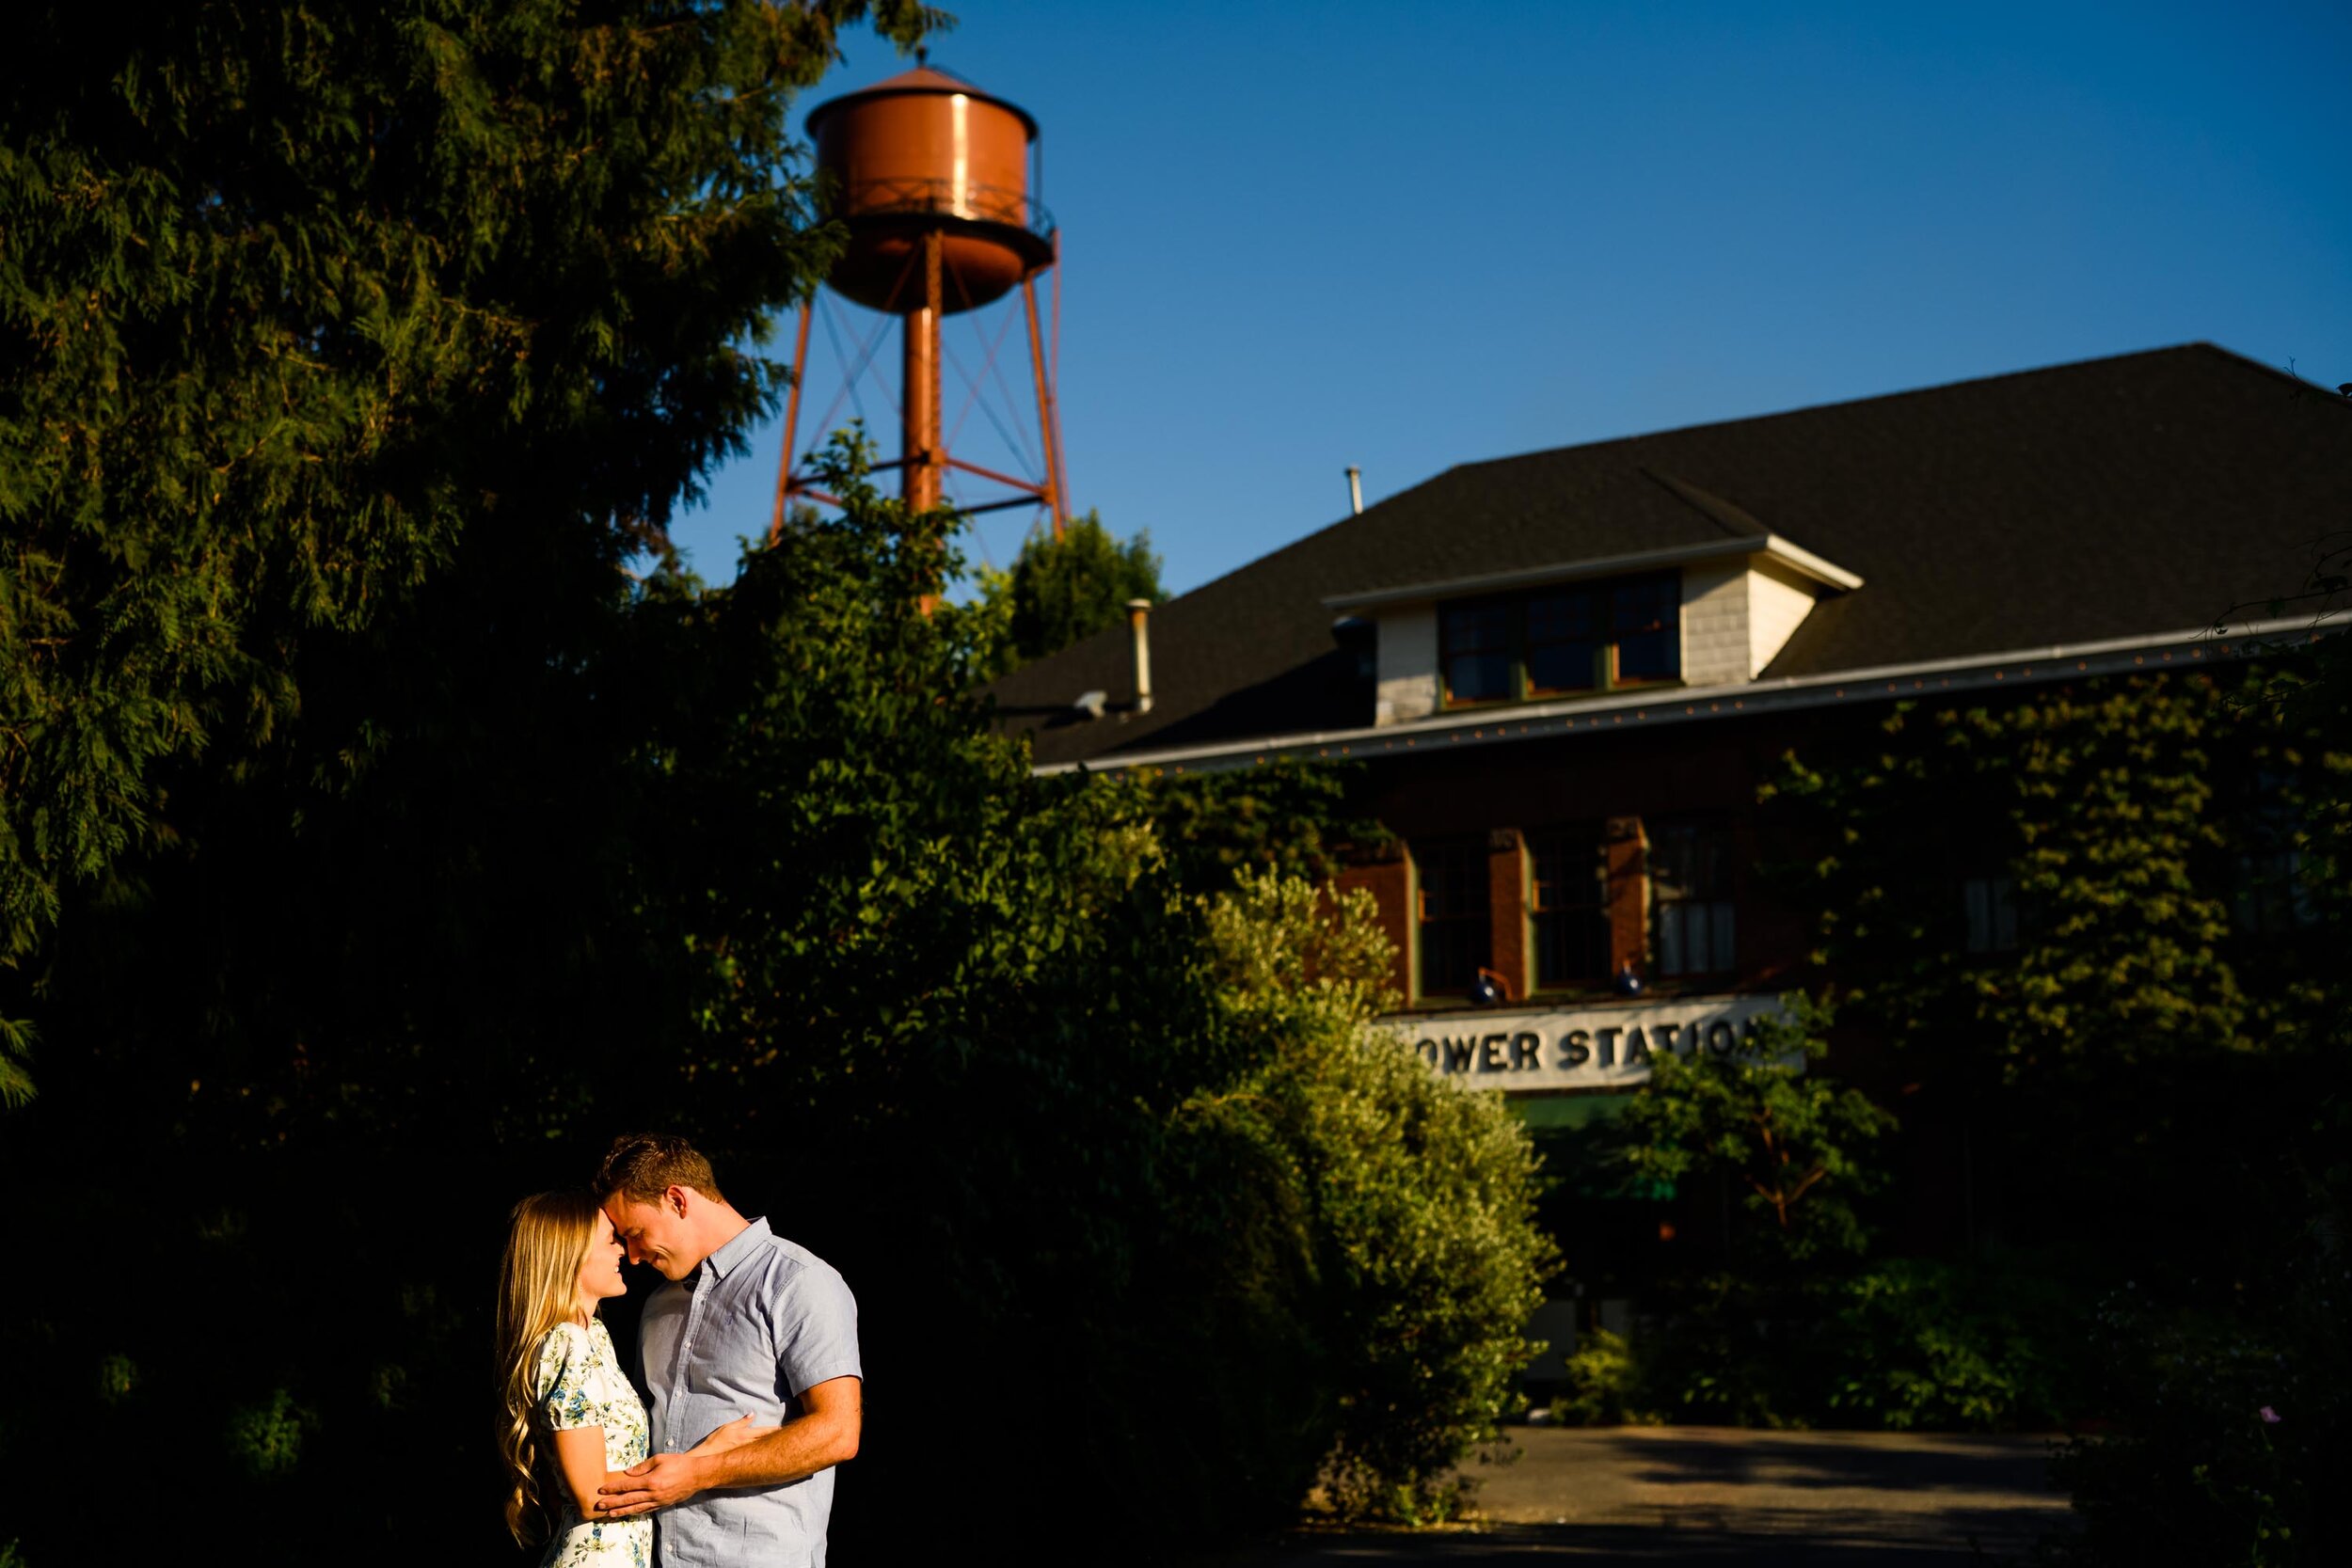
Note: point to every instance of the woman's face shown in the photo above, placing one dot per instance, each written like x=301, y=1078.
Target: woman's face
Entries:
x=600, y=1271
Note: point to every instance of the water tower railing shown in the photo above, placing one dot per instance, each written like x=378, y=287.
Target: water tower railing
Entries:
x=924, y=197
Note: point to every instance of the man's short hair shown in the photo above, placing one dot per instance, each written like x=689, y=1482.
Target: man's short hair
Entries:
x=641, y=1166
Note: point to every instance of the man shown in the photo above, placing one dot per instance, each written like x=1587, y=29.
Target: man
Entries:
x=749, y=1324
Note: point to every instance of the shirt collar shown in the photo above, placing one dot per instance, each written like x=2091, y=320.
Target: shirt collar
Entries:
x=739, y=1247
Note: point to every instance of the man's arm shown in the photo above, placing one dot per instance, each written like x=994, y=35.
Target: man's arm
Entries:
x=823, y=1435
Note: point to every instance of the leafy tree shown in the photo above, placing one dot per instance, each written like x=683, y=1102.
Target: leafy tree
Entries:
x=758, y=866
x=1289, y=817
x=1063, y=590
x=307, y=308
x=372, y=845
x=1762, y=1116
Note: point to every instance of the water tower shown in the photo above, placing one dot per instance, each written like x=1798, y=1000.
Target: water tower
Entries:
x=930, y=176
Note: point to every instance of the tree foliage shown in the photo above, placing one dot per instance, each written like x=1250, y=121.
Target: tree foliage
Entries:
x=755, y=865
x=1062, y=591
x=1285, y=816
x=1415, y=1200
x=2097, y=808
x=306, y=309
x=2172, y=906
x=1797, y=1145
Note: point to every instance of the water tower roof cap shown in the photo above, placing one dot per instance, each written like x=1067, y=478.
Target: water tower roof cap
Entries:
x=922, y=79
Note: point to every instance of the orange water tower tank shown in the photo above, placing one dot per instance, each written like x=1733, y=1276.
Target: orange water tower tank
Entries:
x=930, y=176
x=928, y=153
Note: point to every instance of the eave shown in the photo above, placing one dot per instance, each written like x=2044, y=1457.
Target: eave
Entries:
x=1489, y=726
x=1772, y=546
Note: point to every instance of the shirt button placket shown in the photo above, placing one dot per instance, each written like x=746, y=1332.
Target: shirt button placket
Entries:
x=695, y=1296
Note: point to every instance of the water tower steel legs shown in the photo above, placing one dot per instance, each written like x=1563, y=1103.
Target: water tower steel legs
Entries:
x=1048, y=417
x=786, y=469
x=923, y=461
x=919, y=481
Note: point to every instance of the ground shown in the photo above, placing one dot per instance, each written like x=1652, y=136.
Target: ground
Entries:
x=1717, y=1496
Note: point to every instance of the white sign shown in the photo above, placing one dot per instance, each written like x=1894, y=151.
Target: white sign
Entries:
x=1576, y=1048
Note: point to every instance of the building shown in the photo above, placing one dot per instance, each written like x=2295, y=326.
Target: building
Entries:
x=1569, y=671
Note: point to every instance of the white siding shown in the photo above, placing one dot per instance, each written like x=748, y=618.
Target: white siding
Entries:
x=1407, y=666
x=1715, y=644
x=1776, y=602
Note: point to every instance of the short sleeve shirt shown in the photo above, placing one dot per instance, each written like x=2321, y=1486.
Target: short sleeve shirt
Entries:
x=759, y=1322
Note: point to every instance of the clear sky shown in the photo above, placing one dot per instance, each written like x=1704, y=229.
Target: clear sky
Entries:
x=1407, y=236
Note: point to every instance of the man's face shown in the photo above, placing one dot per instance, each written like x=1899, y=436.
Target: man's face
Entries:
x=654, y=1233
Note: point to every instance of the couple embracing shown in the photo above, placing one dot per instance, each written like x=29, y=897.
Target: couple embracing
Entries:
x=749, y=1352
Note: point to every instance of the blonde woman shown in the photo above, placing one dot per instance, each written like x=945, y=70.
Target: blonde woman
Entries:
x=571, y=1423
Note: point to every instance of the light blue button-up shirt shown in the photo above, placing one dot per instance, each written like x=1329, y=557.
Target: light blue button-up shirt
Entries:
x=759, y=1322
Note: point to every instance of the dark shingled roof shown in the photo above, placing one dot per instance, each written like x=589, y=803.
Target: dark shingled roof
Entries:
x=2116, y=498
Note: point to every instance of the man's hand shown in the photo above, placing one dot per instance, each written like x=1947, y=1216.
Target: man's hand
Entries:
x=660, y=1481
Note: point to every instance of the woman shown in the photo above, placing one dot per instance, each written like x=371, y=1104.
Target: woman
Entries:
x=569, y=1414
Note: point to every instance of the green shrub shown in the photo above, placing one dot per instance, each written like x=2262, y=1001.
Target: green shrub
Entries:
x=1411, y=1202
x=1604, y=1385
x=1728, y=1352
x=1918, y=1344
x=2232, y=1422
x=1903, y=1345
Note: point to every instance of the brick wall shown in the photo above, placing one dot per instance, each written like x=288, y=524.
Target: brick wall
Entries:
x=1388, y=877
x=1506, y=893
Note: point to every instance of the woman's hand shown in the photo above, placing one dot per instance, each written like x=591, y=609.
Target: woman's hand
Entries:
x=732, y=1435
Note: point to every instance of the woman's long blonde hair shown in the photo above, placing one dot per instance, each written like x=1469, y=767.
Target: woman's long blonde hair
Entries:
x=547, y=1242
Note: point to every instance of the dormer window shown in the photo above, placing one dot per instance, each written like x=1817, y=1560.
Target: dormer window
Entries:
x=1562, y=641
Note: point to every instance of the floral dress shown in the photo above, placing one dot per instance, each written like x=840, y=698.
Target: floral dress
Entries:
x=579, y=1383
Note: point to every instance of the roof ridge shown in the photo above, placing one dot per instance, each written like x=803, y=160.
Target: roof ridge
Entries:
x=2193, y=346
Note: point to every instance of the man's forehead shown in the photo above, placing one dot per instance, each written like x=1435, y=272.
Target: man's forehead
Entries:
x=626, y=1215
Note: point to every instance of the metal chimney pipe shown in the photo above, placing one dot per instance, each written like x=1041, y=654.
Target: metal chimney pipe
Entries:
x=1355, y=489
x=1137, y=611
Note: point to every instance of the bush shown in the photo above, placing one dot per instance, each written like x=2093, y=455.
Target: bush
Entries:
x=1412, y=1202
x=1900, y=1344
x=1604, y=1385
x=1919, y=1344
x=2233, y=1421
x=1728, y=1352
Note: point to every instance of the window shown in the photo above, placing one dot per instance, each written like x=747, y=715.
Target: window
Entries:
x=1568, y=907
x=1559, y=641
x=2271, y=895
x=2271, y=891
x=1690, y=898
x=1478, y=652
x=1990, y=906
x=1455, y=930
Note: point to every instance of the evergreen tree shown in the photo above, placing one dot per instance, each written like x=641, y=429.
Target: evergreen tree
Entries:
x=1063, y=590
x=322, y=321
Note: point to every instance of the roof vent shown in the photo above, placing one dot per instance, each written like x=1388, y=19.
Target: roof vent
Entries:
x=1139, y=610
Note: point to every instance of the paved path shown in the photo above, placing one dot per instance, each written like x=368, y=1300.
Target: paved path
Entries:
x=1717, y=1496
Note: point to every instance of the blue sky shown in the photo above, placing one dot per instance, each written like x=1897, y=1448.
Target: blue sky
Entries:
x=1407, y=236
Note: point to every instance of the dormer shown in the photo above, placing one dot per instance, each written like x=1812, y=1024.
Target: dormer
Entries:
x=1713, y=613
